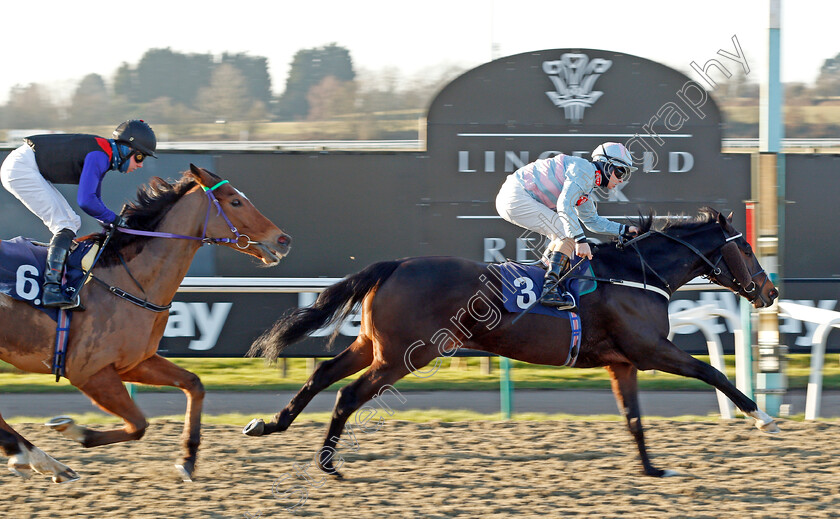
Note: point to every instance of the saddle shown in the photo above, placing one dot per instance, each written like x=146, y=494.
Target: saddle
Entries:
x=23, y=263
x=522, y=285
x=22, y=266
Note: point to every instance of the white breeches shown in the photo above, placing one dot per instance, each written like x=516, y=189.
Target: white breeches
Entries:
x=515, y=205
x=21, y=177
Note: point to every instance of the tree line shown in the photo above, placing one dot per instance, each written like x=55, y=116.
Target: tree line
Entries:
x=174, y=88
x=170, y=87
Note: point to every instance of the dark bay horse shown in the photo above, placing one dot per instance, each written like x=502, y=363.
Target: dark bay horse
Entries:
x=114, y=341
x=414, y=310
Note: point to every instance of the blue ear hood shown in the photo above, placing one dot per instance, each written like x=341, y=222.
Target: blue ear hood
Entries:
x=120, y=157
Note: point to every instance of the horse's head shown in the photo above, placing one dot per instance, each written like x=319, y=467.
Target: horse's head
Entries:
x=238, y=220
x=738, y=268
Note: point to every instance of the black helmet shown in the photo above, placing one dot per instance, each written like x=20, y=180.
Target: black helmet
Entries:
x=137, y=134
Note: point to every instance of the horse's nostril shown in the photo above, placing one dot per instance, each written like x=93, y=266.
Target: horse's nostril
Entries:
x=284, y=239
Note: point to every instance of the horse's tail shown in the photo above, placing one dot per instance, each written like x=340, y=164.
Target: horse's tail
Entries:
x=332, y=306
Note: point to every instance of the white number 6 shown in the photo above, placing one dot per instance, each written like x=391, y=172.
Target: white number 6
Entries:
x=27, y=287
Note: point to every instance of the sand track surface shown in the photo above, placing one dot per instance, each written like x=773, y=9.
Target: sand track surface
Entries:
x=441, y=470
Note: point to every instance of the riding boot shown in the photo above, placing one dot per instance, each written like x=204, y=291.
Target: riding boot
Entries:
x=552, y=296
x=54, y=296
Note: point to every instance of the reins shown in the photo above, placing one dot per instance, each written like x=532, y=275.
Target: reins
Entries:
x=143, y=302
x=203, y=239
x=728, y=249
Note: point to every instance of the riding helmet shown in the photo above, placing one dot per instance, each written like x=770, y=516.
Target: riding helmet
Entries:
x=614, y=153
x=137, y=134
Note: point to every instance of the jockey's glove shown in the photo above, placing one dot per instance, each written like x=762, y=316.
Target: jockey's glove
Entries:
x=119, y=221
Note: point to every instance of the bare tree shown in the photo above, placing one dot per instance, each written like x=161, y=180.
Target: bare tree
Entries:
x=30, y=107
x=227, y=96
x=331, y=97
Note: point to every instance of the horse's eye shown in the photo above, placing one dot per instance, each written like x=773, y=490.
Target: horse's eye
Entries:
x=236, y=202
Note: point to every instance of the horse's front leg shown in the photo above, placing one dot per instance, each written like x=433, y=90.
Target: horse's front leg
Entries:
x=669, y=358
x=625, y=388
x=158, y=371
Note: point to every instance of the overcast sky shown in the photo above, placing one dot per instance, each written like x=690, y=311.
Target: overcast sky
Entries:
x=56, y=43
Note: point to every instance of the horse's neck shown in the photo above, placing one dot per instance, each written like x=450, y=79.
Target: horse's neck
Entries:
x=163, y=263
x=671, y=264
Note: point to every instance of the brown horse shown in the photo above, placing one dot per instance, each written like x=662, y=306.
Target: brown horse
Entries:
x=115, y=339
x=414, y=310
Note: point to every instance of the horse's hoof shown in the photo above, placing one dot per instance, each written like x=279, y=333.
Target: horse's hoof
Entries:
x=24, y=471
x=769, y=427
x=66, y=476
x=334, y=473
x=60, y=423
x=184, y=473
x=255, y=428
x=670, y=474
x=331, y=471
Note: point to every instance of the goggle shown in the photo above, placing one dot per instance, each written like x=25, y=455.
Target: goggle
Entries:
x=618, y=170
x=139, y=157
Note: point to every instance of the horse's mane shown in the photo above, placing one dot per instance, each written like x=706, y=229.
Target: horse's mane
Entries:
x=648, y=222
x=154, y=201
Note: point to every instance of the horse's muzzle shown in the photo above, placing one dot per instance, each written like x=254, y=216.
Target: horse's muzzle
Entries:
x=762, y=301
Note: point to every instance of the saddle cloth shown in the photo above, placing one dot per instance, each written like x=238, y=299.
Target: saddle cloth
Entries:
x=22, y=265
x=523, y=284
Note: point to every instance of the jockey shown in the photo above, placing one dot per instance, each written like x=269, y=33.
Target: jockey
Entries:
x=30, y=171
x=552, y=196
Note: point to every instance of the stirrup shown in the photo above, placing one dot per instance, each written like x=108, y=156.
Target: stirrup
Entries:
x=56, y=298
x=560, y=301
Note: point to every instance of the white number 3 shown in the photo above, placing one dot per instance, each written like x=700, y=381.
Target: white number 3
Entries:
x=526, y=296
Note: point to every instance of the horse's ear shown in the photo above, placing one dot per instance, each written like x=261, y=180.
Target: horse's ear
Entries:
x=729, y=218
x=201, y=175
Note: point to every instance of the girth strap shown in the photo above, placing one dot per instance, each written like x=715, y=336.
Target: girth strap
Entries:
x=574, y=342
x=62, y=334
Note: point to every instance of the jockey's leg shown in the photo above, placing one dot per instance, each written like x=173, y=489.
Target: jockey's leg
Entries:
x=560, y=251
x=54, y=296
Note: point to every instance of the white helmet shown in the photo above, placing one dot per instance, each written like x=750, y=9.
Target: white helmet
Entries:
x=616, y=155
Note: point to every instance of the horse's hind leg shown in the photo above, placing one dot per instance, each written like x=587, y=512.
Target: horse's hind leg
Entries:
x=25, y=457
x=670, y=359
x=158, y=371
x=357, y=356
x=623, y=378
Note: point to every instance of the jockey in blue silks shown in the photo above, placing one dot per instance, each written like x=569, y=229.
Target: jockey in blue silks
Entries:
x=30, y=171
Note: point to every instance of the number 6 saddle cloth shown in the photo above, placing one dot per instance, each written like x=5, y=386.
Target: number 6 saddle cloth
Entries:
x=22, y=265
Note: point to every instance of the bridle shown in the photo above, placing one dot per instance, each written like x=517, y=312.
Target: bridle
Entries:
x=729, y=254
x=238, y=240
x=242, y=241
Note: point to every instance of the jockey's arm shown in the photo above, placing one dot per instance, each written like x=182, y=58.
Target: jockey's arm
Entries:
x=596, y=223
x=571, y=195
x=89, y=196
